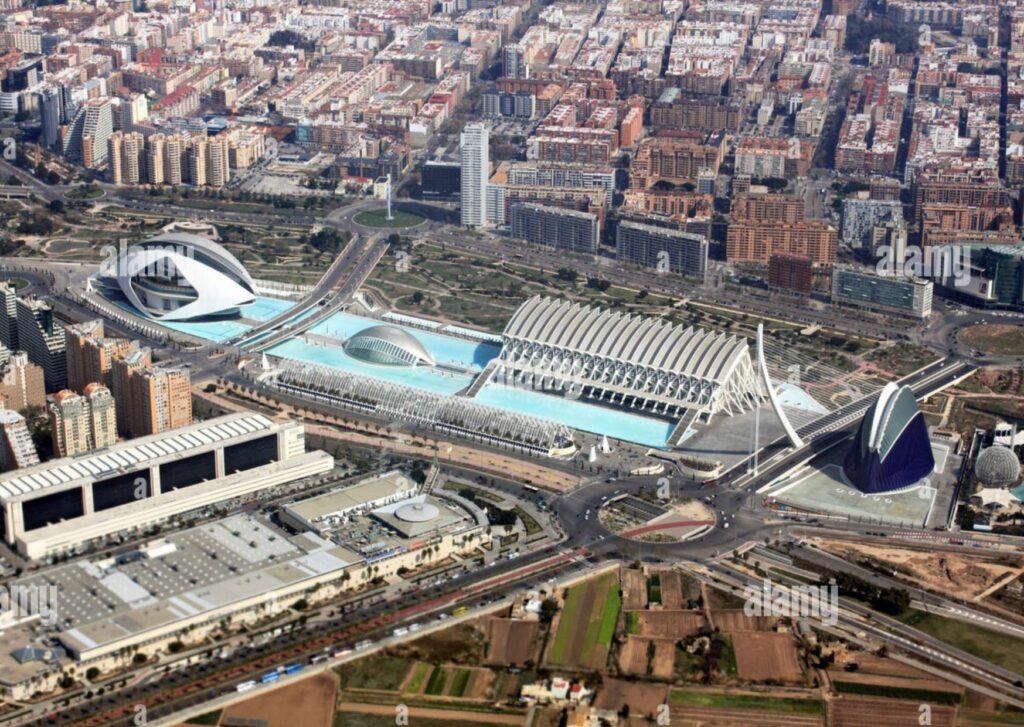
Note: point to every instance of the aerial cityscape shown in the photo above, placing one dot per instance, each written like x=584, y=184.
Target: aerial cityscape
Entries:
x=512, y=362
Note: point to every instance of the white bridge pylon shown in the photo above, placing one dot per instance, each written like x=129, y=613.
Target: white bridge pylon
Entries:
x=762, y=367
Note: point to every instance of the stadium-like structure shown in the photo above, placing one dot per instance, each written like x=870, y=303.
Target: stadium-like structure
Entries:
x=892, y=450
x=180, y=276
x=632, y=361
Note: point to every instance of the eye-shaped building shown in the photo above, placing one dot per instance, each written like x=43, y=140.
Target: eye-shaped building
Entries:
x=180, y=277
x=892, y=450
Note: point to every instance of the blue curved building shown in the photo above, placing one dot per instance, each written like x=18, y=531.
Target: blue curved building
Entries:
x=891, y=450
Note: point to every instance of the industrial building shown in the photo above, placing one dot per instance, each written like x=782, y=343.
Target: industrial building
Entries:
x=245, y=568
x=67, y=503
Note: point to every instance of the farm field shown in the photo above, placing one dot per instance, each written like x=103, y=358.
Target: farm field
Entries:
x=306, y=702
x=671, y=591
x=511, y=641
x=766, y=655
x=634, y=590
x=736, y=620
x=669, y=624
x=857, y=711
x=586, y=624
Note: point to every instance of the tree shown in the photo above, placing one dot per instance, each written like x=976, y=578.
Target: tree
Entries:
x=548, y=609
x=91, y=673
x=57, y=206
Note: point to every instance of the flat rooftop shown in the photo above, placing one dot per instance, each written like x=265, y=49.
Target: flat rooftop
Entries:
x=320, y=509
x=101, y=602
x=131, y=454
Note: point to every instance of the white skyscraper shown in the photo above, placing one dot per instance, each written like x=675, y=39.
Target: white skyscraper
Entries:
x=475, y=172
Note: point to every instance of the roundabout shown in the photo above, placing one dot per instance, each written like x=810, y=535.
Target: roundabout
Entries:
x=378, y=218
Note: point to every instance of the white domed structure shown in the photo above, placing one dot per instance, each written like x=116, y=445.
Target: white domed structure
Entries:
x=389, y=345
x=179, y=276
x=997, y=467
x=417, y=512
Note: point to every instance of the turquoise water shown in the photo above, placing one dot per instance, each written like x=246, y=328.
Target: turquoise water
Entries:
x=265, y=308
x=578, y=415
x=416, y=376
x=218, y=331
x=445, y=349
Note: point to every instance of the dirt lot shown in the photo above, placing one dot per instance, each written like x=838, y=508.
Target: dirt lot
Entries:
x=671, y=591
x=966, y=575
x=856, y=711
x=460, y=644
x=511, y=641
x=766, y=655
x=480, y=684
x=670, y=624
x=735, y=620
x=664, y=660
x=633, y=655
x=643, y=699
x=307, y=702
x=634, y=590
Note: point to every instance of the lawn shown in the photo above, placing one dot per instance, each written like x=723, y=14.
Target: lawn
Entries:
x=438, y=678
x=609, y=616
x=632, y=622
x=459, y=682
x=597, y=612
x=416, y=681
x=654, y=589
x=714, y=700
x=529, y=523
x=1000, y=649
x=379, y=218
x=209, y=718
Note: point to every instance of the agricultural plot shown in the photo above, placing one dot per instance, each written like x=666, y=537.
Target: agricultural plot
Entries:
x=634, y=590
x=308, y=702
x=511, y=641
x=745, y=710
x=669, y=624
x=856, y=711
x=586, y=624
x=671, y=591
x=663, y=661
x=633, y=655
x=766, y=655
x=736, y=620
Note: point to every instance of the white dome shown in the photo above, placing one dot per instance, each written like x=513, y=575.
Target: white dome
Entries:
x=419, y=512
x=997, y=467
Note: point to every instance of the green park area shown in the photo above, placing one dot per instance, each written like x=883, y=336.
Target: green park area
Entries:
x=379, y=218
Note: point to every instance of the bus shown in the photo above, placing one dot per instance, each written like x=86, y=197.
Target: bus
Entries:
x=530, y=488
x=459, y=611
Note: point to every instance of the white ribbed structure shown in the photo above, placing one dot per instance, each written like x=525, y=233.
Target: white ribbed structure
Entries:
x=635, y=361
